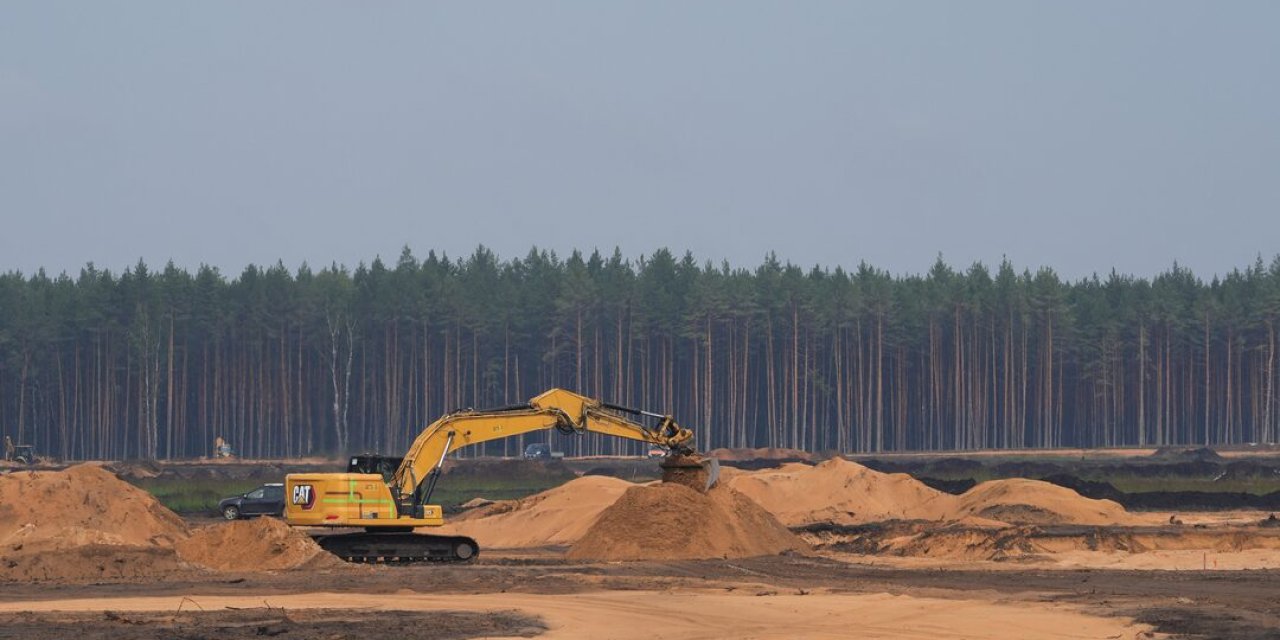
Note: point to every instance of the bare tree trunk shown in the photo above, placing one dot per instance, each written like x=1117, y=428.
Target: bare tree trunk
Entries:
x=708, y=400
x=169, y=400
x=1268, y=411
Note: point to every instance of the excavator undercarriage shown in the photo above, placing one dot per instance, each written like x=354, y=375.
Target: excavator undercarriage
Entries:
x=398, y=547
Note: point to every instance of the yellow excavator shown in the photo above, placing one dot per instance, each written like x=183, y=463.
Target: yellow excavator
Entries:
x=390, y=497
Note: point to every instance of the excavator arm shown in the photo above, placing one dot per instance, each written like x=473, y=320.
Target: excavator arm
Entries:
x=565, y=411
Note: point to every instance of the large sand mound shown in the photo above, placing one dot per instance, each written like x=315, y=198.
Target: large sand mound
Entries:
x=82, y=505
x=84, y=523
x=1022, y=501
x=673, y=522
x=264, y=544
x=557, y=516
x=846, y=493
x=841, y=492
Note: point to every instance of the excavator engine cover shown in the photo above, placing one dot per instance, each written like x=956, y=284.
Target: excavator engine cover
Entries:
x=695, y=472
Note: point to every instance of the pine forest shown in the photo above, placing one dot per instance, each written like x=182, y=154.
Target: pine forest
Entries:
x=151, y=363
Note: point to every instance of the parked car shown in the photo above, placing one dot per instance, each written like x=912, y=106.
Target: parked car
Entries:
x=265, y=500
x=541, y=451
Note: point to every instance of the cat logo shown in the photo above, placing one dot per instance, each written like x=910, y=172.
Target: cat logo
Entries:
x=304, y=496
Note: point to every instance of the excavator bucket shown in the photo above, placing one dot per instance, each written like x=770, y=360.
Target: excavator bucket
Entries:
x=693, y=471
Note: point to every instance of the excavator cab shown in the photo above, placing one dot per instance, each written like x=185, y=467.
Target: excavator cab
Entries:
x=373, y=463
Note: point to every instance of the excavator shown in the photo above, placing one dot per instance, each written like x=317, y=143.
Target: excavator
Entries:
x=391, y=497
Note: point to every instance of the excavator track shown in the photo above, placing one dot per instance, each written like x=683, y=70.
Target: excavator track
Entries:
x=402, y=548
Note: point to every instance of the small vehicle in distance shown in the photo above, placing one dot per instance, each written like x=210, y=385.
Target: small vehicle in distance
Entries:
x=541, y=451
x=265, y=500
x=25, y=453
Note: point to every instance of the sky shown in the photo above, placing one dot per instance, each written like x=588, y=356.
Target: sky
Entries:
x=1082, y=136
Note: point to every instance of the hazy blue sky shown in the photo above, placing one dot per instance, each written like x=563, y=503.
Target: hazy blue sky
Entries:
x=1079, y=135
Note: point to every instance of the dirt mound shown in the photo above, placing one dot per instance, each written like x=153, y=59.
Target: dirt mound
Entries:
x=475, y=503
x=673, y=522
x=81, y=505
x=136, y=469
x=1193, y=454
x=83, y=523
x=846, y=493
x=1022, y=501
x=841, y=492
x=264, y=544
x=558, y=516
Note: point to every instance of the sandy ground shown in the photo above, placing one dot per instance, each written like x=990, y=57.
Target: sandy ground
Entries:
x=1165, y=561
x=688, y=615
x=771, y=597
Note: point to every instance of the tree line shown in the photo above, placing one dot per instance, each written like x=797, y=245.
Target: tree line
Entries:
x=156, y=364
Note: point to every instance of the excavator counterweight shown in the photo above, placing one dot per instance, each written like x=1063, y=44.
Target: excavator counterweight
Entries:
x=388, y=509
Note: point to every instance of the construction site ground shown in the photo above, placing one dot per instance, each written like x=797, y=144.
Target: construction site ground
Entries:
x=1095, y=572
x=537, y=592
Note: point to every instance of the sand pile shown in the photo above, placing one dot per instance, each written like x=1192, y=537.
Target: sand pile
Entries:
x=136, y=469
x=264, y=544
x=1022, y=501
x=673, y=522
x=846, y=493
x=475, y=503
x=85, y=523
x=841, y=492
x=558, y=516
x=82, y=505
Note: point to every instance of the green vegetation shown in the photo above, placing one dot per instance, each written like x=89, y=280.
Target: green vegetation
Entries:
x=293, y=363
x=1256, y=486
x=202, y=495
